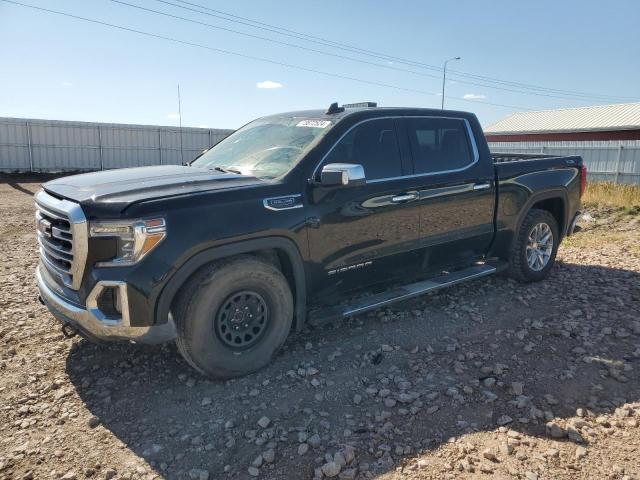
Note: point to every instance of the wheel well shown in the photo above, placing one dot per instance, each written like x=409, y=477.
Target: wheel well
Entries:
x=274, y=256
x=279, y=259
x=555, y=206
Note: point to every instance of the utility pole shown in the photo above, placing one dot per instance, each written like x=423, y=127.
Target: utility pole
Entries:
x=444, y=77
x=180, y=126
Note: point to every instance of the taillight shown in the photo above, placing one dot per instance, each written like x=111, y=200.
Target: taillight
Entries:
x=583, y=179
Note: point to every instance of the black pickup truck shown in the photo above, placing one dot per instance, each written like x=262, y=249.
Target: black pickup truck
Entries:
x=295, y=219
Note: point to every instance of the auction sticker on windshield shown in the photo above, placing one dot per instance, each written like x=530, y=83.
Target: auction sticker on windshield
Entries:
x=314, y=123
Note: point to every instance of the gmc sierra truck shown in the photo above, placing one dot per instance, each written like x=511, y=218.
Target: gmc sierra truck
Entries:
x=294, y=219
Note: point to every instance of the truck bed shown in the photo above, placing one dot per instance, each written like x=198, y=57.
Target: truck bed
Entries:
x=510, y=165
x=518, y=157
x=521, y=178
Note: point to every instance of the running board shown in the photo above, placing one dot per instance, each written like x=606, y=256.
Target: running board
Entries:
x=371, y=302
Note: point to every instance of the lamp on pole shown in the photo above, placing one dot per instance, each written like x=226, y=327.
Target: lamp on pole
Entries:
x=444, y=76
x=180, y=126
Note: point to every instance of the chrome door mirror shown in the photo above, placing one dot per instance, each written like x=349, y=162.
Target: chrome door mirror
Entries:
x=342, y=174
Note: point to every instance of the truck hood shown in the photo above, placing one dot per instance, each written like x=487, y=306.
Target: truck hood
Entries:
x=118, y=189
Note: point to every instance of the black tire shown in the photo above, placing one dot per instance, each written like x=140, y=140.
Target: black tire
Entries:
x=204, y=315
x=519, y=267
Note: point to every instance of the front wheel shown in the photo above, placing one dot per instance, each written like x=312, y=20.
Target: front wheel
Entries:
x=233, y=316
x=533, y=252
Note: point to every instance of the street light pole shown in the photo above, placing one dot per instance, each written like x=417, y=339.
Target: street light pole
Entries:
x=180, y=126
x=444, y=77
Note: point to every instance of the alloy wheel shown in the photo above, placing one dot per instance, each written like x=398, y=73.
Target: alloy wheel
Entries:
x=539, y=246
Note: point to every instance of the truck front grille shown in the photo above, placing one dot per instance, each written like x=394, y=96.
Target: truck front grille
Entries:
x=62, y=238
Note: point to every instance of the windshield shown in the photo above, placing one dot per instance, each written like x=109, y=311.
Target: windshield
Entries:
x=265, y=148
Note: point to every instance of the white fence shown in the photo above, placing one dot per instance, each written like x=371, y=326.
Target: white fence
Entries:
x=56, y=146
x=613, y=161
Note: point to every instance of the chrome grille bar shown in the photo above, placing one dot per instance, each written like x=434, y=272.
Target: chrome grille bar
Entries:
x=62, y=234
x=51, y=213
x=55, y=251
x=55, y=269
x=57, y=247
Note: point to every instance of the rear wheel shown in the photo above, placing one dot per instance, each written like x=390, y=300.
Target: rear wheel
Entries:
x=233, y=316
x=533, y=252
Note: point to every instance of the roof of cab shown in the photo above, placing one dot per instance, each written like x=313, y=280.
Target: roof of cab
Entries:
x=374, y=111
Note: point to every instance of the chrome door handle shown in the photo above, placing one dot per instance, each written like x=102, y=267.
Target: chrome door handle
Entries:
x=481, y=186
x=406, y=197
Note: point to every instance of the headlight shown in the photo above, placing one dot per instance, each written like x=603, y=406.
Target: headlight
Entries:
x=135, y=238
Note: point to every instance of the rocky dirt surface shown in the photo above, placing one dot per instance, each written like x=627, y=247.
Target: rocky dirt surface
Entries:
x=490, y=379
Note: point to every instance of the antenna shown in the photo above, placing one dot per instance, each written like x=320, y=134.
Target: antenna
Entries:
x=180, y=125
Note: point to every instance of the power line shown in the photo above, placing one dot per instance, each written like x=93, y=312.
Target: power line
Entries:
x=344, y=57
x=311, y=38
x=398, y=59
x=268, y=39
x=543, y=89
x=270, y=28
x=251, y=57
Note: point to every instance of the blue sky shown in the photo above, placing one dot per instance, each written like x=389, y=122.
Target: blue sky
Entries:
x=60, y=68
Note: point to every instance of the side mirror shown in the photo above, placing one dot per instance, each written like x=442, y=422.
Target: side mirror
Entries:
x=342, y=174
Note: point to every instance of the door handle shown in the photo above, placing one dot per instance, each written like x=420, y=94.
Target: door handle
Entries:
x=482, y=186
x=405, y=197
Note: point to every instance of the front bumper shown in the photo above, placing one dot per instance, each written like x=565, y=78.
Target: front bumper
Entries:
x=95, y=326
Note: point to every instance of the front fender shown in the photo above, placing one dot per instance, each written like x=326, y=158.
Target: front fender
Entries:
x=188, y=268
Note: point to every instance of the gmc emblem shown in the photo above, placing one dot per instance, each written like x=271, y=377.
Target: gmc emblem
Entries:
x=44, y=227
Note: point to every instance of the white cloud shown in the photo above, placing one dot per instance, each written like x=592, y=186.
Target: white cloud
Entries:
x=269, y=84
x=173, y=115
x=66, y=84
x=473, y=96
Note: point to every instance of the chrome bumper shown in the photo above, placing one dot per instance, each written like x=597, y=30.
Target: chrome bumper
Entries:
x=93, y=325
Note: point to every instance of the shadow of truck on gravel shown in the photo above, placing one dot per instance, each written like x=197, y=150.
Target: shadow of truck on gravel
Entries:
x=393, y=384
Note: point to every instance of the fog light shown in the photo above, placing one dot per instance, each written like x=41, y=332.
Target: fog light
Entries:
x=109, y=302
x=117, y=302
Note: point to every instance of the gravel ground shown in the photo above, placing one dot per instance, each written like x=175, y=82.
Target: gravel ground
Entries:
x=488, y=379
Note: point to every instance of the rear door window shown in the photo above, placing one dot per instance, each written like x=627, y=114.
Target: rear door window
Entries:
x=372, y=144
x=439, y=144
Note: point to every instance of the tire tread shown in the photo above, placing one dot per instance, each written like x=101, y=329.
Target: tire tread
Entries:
x=185, y=300
x=519, y=270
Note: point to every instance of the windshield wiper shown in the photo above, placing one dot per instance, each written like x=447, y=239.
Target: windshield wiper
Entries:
x=227, y=170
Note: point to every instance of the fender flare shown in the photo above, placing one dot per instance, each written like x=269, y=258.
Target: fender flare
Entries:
x=188, y=268
x=546, y=195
